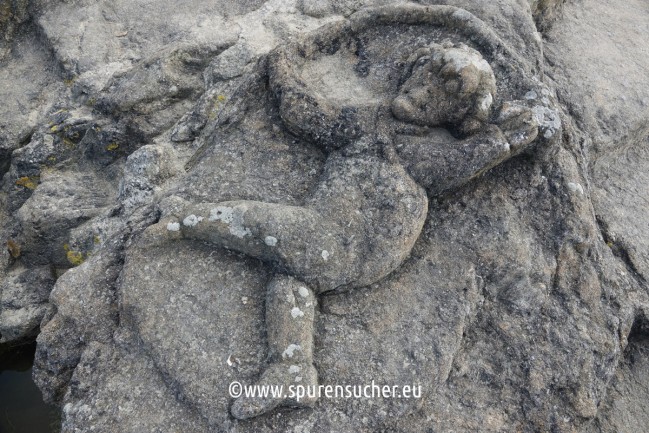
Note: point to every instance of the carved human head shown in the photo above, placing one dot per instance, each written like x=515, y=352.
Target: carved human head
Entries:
x=446, y=85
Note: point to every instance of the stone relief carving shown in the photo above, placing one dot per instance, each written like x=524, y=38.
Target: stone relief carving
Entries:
x=520, y=305
x=408, y=103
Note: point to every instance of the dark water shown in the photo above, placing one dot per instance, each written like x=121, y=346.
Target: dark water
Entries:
x=21, y=405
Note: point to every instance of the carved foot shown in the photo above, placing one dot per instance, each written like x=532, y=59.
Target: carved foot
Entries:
x=281, y=382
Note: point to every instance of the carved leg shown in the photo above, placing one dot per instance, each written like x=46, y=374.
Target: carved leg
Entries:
x=290, y=309
x=298, y=240
x=359, y=225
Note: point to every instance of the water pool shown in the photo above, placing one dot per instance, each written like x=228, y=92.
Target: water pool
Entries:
x=22, y=409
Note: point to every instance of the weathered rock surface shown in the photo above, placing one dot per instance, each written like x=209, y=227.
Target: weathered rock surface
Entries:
x=494, y=253
x=24, y=295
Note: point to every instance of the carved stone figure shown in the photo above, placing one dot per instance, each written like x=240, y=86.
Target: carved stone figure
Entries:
x=139, y=140
x=415, y=122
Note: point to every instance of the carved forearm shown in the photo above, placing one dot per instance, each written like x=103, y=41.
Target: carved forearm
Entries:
x=443, y=166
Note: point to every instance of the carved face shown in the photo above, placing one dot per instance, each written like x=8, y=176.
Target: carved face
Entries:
x=447, y=85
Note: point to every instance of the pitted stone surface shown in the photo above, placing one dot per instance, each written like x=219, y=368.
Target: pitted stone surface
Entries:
x=439, y=194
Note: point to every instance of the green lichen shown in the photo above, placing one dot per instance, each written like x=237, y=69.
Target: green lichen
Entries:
x=112, y=147
x=74, y=257
x=68, y=142
x=29, y=182
x=216, y=107
x=14, y=248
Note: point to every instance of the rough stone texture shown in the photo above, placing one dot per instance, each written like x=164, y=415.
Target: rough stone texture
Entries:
x=546, y=12
x=23, y=298
x=517, y=298
x=13, y=13
x=602, y=86
x=623, y=409
x=29, y=86
x=615, y=113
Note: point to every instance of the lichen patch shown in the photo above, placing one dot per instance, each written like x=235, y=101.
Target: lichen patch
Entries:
x=290, y=350
x=233, y=218
x=192, y=220
x=221, y=213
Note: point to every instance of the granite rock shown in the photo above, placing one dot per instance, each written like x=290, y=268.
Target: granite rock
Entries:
x=446, y=195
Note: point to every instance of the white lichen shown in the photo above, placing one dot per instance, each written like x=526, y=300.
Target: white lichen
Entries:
x=548, y=120
x=486, y=102
x=221, y=213
x=240, y=231
x=296, y=312
x=293, y=369
x=232, y=217
x=173, y=227
x=576, y=188
x=325, y=255
x=271, y=241
x=192, y=220
x=304, y=292
x=531, y=95
x=290, y=350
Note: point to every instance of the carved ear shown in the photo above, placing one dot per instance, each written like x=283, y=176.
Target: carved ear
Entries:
x=421, y=53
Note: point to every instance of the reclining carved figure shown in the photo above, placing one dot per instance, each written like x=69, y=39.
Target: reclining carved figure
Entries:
x=436, y=133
